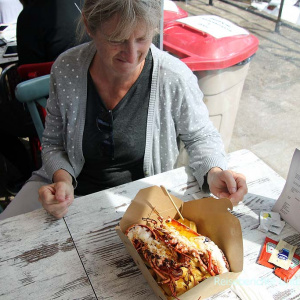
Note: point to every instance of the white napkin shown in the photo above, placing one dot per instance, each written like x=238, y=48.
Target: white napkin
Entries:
x=247, y=290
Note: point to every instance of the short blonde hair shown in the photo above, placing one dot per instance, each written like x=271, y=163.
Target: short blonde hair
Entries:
x=130, y=14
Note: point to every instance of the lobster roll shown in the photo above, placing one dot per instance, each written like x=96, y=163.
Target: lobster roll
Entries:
x=178, y=257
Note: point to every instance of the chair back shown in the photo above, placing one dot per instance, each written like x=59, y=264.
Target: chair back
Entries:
x=8, y=81
x=29, y=71
x=14, y=116
x=32, y=92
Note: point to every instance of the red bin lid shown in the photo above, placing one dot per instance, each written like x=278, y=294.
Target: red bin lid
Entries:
x=173, y=12
x=219, y=44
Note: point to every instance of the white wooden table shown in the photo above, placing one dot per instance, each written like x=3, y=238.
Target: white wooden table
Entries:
x=81, y=256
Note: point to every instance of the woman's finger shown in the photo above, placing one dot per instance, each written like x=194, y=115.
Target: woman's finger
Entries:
x=58, y=210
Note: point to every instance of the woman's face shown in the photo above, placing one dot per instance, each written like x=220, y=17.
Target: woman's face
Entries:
x=121, y=57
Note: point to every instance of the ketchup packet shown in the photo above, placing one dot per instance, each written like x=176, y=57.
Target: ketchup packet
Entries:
x=283, y=254
x=286, y=275
x=266, y=252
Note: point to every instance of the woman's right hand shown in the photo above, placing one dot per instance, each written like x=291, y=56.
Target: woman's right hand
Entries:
x=58, y=196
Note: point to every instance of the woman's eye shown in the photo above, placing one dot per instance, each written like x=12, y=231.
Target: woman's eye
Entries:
x=141, y=40
x=116, y=42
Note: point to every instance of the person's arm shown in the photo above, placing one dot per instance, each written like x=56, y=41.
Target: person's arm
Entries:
x=62, y=176
x=202, y=140
x=54, y=152
x=58, y=196
x=204, y=144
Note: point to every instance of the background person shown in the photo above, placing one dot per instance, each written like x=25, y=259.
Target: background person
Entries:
x=116, y=109
x=46, y=28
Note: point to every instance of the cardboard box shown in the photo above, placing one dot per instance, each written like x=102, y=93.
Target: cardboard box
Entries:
x=212, y=219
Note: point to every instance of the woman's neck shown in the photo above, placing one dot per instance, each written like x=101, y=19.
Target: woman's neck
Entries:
x=112, y=87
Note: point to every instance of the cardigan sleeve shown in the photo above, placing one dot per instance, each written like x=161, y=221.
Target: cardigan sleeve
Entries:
x=194, y=128
x=54, y=154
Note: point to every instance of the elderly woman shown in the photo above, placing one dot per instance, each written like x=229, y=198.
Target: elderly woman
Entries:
x=116, y=110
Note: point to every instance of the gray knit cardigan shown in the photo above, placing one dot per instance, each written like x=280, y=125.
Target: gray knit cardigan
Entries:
x=176, y=112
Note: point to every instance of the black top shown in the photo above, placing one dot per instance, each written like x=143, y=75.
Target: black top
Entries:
x=45, y=29
x=126, y=141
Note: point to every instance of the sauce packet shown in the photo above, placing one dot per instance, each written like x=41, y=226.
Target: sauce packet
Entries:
x=286, y=275
x=265, y=254
x=282, y=255
x=270, y=221
x=266, y=251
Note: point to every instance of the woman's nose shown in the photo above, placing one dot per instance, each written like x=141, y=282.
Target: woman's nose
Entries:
x=130, y=52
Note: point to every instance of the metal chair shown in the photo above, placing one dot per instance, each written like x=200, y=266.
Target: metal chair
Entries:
x=34, y=92
x=8, y=81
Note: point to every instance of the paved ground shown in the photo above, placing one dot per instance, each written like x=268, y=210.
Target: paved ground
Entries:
x=268, y=119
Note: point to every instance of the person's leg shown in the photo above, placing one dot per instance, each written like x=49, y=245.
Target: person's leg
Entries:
x=25, y=201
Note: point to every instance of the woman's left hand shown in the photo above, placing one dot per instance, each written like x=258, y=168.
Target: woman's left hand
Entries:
x=227, y=184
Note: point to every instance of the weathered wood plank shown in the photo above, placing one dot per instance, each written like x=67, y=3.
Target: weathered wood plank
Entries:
x=38, y=260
